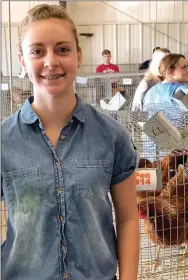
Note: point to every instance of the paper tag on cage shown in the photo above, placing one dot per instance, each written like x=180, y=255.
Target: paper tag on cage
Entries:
x=4, y=86
x=127, y=81
x=81, y=80
x=148, y=179
x=162, y=131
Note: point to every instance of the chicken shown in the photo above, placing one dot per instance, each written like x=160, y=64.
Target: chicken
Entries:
x=144, y=163
x=19, y=95
x=177, y=185
x=168, y=165
x=170, y=162
x=166, y=216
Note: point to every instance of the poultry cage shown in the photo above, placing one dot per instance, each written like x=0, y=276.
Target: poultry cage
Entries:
x=161, y=170
x=162, y=198
x=93, y=88
x=11, y=101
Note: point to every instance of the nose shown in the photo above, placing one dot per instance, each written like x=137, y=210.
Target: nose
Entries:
x=51, y=60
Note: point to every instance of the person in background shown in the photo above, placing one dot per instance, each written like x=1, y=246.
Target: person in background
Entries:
x=151, y=78
x=174, y=72
x=107, y=66
x=145, y=65
x=62, y=162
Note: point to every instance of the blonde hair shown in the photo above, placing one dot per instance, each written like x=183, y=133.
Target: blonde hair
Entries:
x=153, y=73
x=42, y=12
x=168, y=62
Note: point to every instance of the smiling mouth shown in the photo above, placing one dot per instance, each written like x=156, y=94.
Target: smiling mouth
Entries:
x=53, y=77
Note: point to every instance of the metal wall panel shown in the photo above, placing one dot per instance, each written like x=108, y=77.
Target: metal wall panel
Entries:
x=134, y=43
x=5, y=50
x=184, y=38
x=109, y=33
x=97, y=45
x=161, y=40
x=148, y=41
x=123, y=34
x=130, y=44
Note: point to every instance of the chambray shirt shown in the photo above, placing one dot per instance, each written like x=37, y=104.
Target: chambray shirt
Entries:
x=60, y=216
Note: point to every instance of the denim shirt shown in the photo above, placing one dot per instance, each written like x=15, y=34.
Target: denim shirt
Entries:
x=60, y=222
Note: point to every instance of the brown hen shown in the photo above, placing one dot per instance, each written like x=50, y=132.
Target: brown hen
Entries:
x=166, y=216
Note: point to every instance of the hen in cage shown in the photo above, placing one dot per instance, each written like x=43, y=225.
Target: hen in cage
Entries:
x=166, y=216
x=168, y=165
x=19, y=95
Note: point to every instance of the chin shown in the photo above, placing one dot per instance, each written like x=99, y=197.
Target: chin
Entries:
x=55, y=91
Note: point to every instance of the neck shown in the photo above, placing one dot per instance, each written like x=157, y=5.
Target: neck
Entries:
x=106, y=63
x=171, y=80
x=54, y=110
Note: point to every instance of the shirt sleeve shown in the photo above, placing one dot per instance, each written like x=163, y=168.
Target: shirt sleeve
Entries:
x=126, y=158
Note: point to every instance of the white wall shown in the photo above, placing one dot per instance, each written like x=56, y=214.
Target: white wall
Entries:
x=97, y=12
x=18, y=9
x=130, y=40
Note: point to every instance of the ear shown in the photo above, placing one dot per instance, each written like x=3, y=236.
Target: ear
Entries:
x=79, y=57
x=171, y=72
x=21, y=60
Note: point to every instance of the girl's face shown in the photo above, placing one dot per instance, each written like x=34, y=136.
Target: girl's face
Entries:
x=180, y=73
x=50, y=56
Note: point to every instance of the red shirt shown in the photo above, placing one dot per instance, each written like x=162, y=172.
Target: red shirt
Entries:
x=107, y=68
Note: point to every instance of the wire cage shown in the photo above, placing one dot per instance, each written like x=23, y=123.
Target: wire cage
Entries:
x=164, y=228
x=171, y=166
x=21, y=89
x=93, y=88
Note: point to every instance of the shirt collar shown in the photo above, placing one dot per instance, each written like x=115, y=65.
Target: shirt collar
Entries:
x=29, y=116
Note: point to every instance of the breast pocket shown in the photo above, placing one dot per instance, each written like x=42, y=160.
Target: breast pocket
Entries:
x=93, y=178
x=24, y=189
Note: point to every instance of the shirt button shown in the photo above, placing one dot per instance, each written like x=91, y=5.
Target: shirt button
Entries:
x=63, y=247
x=62, y=218
x=59, y=190
x=63, y=137
x=66, y=275
x=57, y=164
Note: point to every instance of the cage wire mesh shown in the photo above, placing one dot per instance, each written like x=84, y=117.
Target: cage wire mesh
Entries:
x=93, y=88
x=21, y=89
x=173, y=258
x=167, y=226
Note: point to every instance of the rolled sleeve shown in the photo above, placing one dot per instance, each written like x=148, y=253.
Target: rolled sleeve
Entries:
x=126, y=158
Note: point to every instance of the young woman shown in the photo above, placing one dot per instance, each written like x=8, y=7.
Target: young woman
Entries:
x=174, y=72
x=60, y=160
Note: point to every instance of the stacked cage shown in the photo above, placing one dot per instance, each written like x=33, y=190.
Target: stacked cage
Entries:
x=162, y=190
x=13, y=94
x=161, y=175
x=93, y=88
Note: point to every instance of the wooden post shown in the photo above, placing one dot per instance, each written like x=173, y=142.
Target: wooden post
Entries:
x=63, y=3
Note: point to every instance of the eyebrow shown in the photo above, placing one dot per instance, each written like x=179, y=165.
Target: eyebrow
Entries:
x=38, y=44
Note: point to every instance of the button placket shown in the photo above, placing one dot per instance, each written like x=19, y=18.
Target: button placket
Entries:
x=59, y=190
x=65, y=275
x=63, y=137
x=62, y=218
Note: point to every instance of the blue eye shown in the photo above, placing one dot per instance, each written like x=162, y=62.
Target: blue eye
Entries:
x=36, y=52
x=63, y=50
